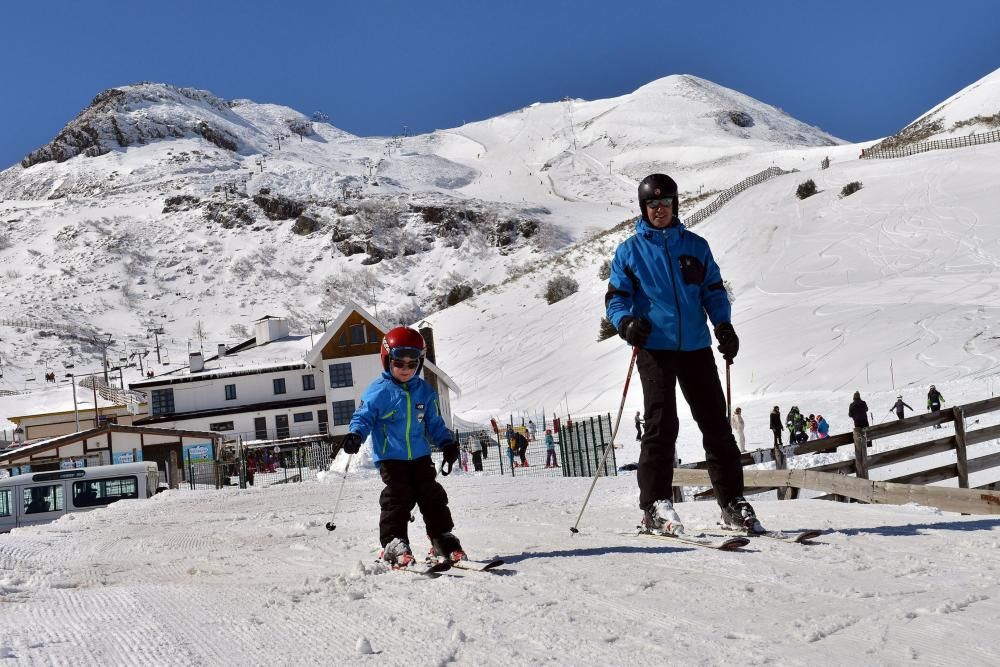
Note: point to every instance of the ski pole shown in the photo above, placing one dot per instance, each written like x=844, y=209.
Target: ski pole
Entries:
x=729, y=392
x=607, y=448
x=330, y=525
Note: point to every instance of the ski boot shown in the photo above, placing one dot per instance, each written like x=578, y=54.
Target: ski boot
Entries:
x=397, y=553
x=738, y=514
x=447, y=547
x=661, y=517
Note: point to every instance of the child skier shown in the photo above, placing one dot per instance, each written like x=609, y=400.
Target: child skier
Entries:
x=401, y=412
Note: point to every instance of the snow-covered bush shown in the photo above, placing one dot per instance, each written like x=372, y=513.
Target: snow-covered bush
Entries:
x=607, y=330
x=807, y=189
x=559, y=288
x=850, y=188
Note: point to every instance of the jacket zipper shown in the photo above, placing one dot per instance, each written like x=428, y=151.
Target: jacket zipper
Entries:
x=409, y=451
x=673, y=284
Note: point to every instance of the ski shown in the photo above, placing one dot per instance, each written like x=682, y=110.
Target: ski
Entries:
x=799, y=537
x=477, y=565
x=472, y=565
x=431, y=570
x=723, y=544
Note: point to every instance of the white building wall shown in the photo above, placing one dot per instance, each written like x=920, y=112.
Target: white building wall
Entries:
x=364, y=370
x=210, y=393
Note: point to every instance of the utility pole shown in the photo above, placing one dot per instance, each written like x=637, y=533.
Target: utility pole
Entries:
x=156, y=336
x=104, y=353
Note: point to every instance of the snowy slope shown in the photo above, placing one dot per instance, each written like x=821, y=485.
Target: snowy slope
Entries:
x=253, y=577
x=144, y=210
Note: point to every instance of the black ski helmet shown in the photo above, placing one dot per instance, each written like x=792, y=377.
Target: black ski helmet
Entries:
x=657, y=186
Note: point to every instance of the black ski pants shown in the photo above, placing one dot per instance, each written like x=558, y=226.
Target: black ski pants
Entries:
x=409, y=484
x=660, y=372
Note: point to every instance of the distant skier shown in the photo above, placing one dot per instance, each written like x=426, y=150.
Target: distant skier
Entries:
x=663, y=283
x=899, y=407
x=736, y=421
x=776, y=426
x=796, y=425
x=822, y=427
x=638, y=426
x=550, y=450
x=400, y=410
x=934, y=401
x=858, y=412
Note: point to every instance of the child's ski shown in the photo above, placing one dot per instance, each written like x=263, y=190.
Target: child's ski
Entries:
x=477, y=565
x=432, y=570
x=723, y=544
x=473, y=565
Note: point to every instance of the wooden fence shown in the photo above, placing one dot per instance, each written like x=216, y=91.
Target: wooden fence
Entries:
x=726, y=195
x=912, y=487
x=875, y=153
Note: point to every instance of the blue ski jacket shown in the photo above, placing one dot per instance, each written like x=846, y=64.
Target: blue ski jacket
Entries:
x=403, y=419
x=669, y=277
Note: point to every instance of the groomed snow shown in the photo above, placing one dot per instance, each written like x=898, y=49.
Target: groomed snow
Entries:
x=254, y=577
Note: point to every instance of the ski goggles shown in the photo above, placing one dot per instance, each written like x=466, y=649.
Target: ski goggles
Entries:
x=408, y=364
x=406, y=353
x=666, y=202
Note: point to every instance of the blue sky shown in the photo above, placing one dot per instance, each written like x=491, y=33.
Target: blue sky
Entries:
x=858, y=69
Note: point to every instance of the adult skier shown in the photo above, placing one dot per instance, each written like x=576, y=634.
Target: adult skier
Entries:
x=776, y=426
x=401, y=412
x=899, y=407
x=934, y=401
x=663, y=283
x=858, y=412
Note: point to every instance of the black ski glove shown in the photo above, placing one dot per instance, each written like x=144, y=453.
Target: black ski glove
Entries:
x=635, y=330
x=729, y=342
x=450, y=451
x=351, y=443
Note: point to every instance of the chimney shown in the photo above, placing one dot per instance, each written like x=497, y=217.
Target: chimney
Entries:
x=222, y=350
x=270, y=328
x=428, y=335
x=195, y=362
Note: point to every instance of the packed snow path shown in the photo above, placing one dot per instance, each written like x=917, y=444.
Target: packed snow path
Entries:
x=253, y=577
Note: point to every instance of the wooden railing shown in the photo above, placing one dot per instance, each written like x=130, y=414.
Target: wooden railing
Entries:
x=729, y=193
x=787, y=482
x=875, y=152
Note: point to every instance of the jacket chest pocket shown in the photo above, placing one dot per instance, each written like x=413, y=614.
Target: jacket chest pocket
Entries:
x=692, y=270
x=419, y=411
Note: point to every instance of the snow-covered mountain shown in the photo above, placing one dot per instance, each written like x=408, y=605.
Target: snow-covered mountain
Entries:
x=160, y=206
x=974, y=109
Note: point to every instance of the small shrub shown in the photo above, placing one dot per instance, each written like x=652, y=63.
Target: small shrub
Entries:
x=559, y=288
x=850, y=188
x=604, y=273
x=607, y=330
x=807, y=189
x=458, y=294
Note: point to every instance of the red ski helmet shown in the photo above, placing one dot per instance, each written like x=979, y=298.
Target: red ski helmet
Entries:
x=403, y=342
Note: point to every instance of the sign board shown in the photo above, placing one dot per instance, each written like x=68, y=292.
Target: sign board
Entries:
x=201, y=452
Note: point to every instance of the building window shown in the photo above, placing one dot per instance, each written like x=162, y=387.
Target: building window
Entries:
x=308, y=382
x=340, y=376
x=5, y=503
x=324, y=421
x=372, y=335
x=260, y=428
x=342, y=412
x=279, y=385
x=39, y=499
x=299, y=417
x=357, y=334
x=230, y=392
x=161, y=402
x=104, y=491
x=221, y=426
x=342, y=340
